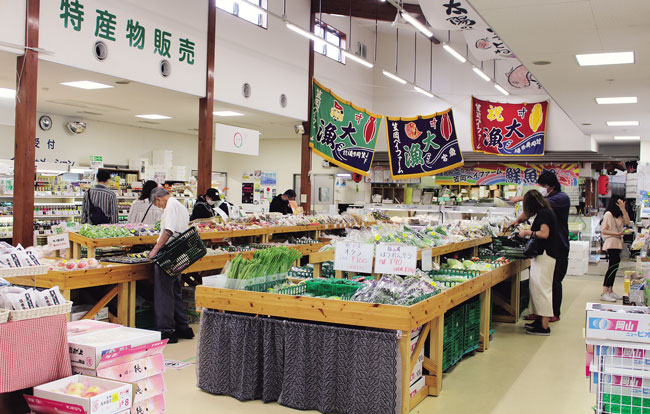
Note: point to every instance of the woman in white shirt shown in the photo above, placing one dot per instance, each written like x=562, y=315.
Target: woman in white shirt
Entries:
x=613, y=229
x=142, y=210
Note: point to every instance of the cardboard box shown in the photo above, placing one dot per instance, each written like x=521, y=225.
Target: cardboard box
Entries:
x=121, y=357
x=131, y=371
x=148, y=388
x=117, y=396
x=155, y=405
x=90, y=344
x=579, y=250
x=578, y=267
x=416, y=374
x=617, y=322
x=78, y=312
x=417, y=386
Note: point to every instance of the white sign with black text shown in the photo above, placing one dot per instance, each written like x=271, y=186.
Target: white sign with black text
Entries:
x=58, y=241
x=396, y=259
x=354, y=257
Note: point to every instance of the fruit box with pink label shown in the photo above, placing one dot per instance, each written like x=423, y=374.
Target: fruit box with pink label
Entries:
x=88, y=349
x=130, y=371
x=616, y=322
x=94, y=395
x=122, y=356
x=155, y=405
x=148, y=388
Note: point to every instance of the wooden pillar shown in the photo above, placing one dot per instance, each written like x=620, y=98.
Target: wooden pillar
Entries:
x=25, y=131
x=206, y=106
x=305, y=153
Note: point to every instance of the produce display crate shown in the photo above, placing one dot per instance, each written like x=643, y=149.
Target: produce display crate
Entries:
x=4, y=315
x=454, y=272
x=334, y=287
x=21, y=315
x=145, y=318
x=625, y=404
x=472, y=327
x=264, y=286
x=24, y=271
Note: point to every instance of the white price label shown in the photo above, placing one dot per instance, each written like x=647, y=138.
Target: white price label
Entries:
x=427, y=260
x=354, y=257
x=396, y=259
x=58, y=241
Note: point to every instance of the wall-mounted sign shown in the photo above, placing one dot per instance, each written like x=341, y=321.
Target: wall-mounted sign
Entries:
x=235, y=139
x=160, y=43
x=96, y=162
x=12, y=26
x=488, y=174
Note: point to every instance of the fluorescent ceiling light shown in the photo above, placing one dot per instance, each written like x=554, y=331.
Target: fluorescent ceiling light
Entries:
x=227, y=113
x=7, y=93
x=394, y=77
x=622, y=123
x=423, y=92
x=357, y=59
x=86, y=85
x=616, y=100
x=416, y=23
x=480, y=73
x=595, y=59
x=305, y=33
x=153, y=116
x=628, y=138
x=500, y=89
x=454, y=53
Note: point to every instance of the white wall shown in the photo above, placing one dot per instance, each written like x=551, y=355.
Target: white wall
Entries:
x=273, y=61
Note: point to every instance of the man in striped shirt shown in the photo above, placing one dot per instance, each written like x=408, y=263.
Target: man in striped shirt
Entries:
x=102, y=198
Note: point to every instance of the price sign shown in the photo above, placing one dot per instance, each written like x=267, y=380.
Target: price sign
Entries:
x=427, y=261
x=396, y=259
x=354, y=257
x=58, y=241
x=96, y=162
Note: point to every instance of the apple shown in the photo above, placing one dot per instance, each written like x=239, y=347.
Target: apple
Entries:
x=93, y=263
x=70, y=265
x=82, y=264
x=61, y=263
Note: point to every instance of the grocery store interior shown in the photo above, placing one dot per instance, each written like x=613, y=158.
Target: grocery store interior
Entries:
x=361, y=206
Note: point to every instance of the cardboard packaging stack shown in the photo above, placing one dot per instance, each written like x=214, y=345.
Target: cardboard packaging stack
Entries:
x=578, y=258
x=417, y=381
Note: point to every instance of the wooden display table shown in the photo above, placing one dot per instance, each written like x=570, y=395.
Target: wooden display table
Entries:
x=121, y=276
x=429, y=314
x=317, y=259
x=77, y=240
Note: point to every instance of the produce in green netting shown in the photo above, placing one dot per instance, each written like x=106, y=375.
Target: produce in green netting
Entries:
x=265, y=262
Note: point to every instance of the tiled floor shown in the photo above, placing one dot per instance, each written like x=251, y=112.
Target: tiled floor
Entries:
x=519, y=373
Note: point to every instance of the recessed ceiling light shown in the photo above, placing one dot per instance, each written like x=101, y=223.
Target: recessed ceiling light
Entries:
x=153, y=116
x=622, y=123
x=86, y=85
x=628, y=138
x=227, y=113
x=7, y=93
x=542, y=62
x=595, y=59
x=616, y=100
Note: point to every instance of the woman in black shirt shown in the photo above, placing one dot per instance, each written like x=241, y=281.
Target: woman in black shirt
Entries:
x=545, y=231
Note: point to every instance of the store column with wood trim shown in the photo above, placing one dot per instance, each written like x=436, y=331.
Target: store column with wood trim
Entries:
x=25, y=131
x=206, y=106
x=305, y=153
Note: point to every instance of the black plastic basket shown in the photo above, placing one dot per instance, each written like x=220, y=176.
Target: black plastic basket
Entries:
x=180, y=253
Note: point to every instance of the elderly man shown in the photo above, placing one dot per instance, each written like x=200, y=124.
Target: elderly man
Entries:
x=171, y=319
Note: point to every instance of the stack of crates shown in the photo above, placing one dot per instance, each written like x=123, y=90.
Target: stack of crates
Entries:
x=462, y=332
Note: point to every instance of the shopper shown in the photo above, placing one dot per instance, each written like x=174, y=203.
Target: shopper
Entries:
x=142, y=210
x=169, y=308
x=550, y=188
x=205, y=206
x=99, y=205
x=544, y=232
x=614, y=222
x=280, y=203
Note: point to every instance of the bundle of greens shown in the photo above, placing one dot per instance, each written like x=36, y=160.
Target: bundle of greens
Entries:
x=265, y=262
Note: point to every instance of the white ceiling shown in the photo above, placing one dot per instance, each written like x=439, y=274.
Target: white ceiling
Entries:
x=556, y=31
x=120, y=104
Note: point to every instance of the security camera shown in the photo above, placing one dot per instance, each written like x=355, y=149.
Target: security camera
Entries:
x=299, y=129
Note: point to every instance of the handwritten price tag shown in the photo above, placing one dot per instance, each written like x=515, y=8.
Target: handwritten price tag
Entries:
x=58, y=241
x=396, y=259
x=354, y=257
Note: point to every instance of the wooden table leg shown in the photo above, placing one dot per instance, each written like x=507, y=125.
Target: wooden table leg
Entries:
x=123, y=303
x=132, y=304
x=318, y=270
x=515, y=294
x=433, y=363
x=91, y=252
x=76, y=250
x=486, y=301
x=405, y=354
x=338, y=274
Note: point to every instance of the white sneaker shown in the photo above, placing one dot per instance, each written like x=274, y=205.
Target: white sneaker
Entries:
x=607, y=297
x=615, y=296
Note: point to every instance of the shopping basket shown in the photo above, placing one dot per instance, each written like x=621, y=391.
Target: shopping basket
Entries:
x=180, y=253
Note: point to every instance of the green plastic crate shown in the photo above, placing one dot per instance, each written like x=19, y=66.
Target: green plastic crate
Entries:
x=145, y=318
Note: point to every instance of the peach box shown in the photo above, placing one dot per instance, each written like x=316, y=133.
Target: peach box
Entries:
x=117, y=396
x=122, y=356
x=155, y=405
x=148, y=388
x=89, y=343
x=130, y=371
